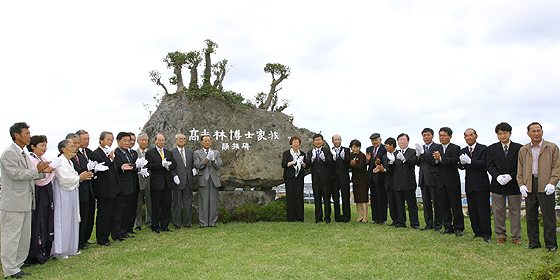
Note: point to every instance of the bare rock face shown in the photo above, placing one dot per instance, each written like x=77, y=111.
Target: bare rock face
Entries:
x=251, y=141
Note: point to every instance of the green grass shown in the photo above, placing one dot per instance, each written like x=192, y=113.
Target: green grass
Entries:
x=282, y=250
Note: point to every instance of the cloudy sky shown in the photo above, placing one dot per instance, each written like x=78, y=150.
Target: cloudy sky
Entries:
x=358, y=67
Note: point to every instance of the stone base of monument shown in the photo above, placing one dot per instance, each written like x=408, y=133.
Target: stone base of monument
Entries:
x=233, y=199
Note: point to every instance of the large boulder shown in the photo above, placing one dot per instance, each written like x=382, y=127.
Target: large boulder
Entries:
x=251, y=141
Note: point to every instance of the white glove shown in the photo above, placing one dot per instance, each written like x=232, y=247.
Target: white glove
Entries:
x=549, y=189
x=322, y=156
x=300, y=160
x=91, y=165
x=341, y=154
x=400, y=156
x=141, y=162
x=523, y=189
x=503, y=179
x=144, y=172
x=312, y=157
x=176, y=180
x=419, y=149
x=391, y=158
x=334, y=155
x=165, y=164
x=56, y=162
x=210, y=155
x=465, y=159
x=100, y=167
x=194, y=171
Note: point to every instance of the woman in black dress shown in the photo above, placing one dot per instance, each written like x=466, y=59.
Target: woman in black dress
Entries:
x=359, y=180
x=293, y=162
x=42, y=218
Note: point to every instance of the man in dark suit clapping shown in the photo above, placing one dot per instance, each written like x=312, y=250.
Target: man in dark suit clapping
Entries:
x=427, y=180
x=321, y=162
x=375, y=179
x=341, y=181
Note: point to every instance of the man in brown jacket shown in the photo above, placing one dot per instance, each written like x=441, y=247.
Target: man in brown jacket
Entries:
x=538, y=173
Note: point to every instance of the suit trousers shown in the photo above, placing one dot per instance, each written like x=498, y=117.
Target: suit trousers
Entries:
x=345, y=193
x=130, y=210
x=87, y=216
x=392, y=206
x=182, y=207
x=546, y=203
x=431, y=206
x=161, y=208
x=119, y=226
x=321, y=195
x=479, y=213
x=208, y=205
x=104, y=220
x=144, y=197
x=294, y=199
x=514, y=207
x=335, y=194
x=15, y=239
x=408, y=196
x=451, y=208
x=378, y=201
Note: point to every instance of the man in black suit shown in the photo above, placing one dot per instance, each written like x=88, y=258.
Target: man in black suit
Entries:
x=321, y=162
x=80, y=165
x=126, y=172
x=182, y=193
x=477, y=185
x=403, y=163
x=502, y=165
x=131, y=219
x=427, y=180
x=341, y=181
x=377, y=192
x=105, y=188
x=161, y=165
x=449, y=183
x=87, y=199
x=390, y=147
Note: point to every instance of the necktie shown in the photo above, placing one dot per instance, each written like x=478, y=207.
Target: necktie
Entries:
x=183, y=157
x=471, y=150
x=317, y=157
x=77, y=160
x=84, y=153
x=426, y=149
x=505, y=150
x=444, y=149
x=161, y=154
x=374, y=152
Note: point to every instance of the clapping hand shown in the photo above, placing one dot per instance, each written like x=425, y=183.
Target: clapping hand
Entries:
x=165, y=164
x=465, y=159
x=341, y=153
x=419, y=149
x=101, y=167
x=322, y=156
x=391, y=158
x=400, y=156
x=141, y=162
x=503, y=179
x=144, y=172
x=91, y=165
x=176, y=180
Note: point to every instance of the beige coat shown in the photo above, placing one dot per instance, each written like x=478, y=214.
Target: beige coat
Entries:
x=549, y=166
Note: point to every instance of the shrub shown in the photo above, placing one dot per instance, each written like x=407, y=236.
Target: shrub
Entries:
x=245, y=213
x=223, y=215
x=274, y=211
x=551, y=270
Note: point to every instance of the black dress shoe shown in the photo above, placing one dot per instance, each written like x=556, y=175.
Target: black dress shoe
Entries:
x=165, y=229
x=177, y=228
x=532, y=247
x=327, y=221
x=28, y=265
x=552, y=250
x=459, y=232
x=129, y=236
x=20, y=274
x=382, y=223
x=155, y=230
x=138, y=229
x=105, y=244
x=83, y=246
x=415, y=227
x=425, y=228
x=446, y=231
x=487, y=239
x=391, y=224
x=400, y=226
x=318, y=221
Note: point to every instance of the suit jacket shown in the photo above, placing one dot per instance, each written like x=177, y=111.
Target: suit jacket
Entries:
x=389, y=173
x=85, y=189
x=549, y=166
x=321, y=170
x=476, y=177
x=105, y=182
x=290, y=172
x=448, y=174
x=498, y=164
x=160, y=176
x=341, y=167
x=404, y=176
x=428, y=168
x=375, y=177
x=125, y=178
x=143, y=183
x=18, y=186
x=184, y=171
x=208, y=171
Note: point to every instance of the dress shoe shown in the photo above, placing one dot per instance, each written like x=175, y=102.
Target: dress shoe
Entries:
x=128, y=236
x=20, y=274
x=83, y=246
x=138, y=229
x=156, y=231
x=105, y=244
x=459, y=232
x=89, y=242
x=382, y=223
x=426, y=227
x=177, y=228
x=532, y=247
x=391, y=224
x=165, y=229
x=132, y=232
x=415, y=227
x=552, y=250
x=446, y=231
x=476, y=236
x=318, y=221
x=517, y=241
x=487, y=239
x=400, y=226
x=28, y=265
x=120, y=239
x=501, y=240
x=327, y=221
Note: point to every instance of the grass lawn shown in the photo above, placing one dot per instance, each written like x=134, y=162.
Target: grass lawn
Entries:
x=298, y=250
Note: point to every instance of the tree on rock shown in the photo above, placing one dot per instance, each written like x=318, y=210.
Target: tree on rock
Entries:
x=194, y=58
x=155, y=76
x=210, y=49
x=220, y=70
x=279, y=72
x=176, y=60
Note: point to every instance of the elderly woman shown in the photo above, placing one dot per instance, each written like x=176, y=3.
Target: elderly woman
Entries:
x=66, y=202
x=42, y=224
x=293, y=162
x=359, y=182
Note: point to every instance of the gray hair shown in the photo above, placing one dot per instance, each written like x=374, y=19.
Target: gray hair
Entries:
x=143, y=134
x=72, y=135
x=177, y=135
x=63, y=144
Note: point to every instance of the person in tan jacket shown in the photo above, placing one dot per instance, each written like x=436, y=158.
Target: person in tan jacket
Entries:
x=538, y=173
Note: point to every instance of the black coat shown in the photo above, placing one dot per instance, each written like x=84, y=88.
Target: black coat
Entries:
x=476, y=177
x=428, y=168
x=105, y=182
x=448, y=173
x=159, y=176
x=320, y=169
x=290, y=172
x=374, y=177
x=125, y=178
x=404, y=176
x=498, y=164
x=342, y=166
x=85, y=188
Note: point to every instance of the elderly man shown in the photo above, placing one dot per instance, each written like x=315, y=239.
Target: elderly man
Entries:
x=182, y=193
x=208, y=162
x=18, y=200
x=87, y=199
x=341, y=182
x=538, y=173
x=143, y=185
x=375, y=179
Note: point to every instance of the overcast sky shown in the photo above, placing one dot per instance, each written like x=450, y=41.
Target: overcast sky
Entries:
x=358, y=67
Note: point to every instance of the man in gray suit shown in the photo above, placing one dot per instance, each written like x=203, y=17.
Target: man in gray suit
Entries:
x=18, y=199
x=208, y=163
x=182, y=193
x=144, y=185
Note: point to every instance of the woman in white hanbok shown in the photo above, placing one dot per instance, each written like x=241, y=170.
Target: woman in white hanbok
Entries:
x=66, y=203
